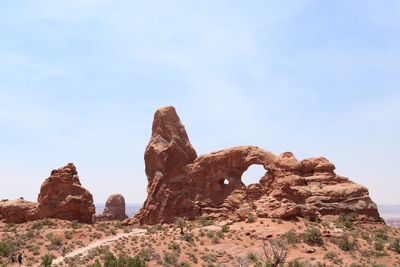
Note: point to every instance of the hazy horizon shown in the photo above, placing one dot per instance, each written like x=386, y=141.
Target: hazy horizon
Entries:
x=392, y=211
x=81, y=80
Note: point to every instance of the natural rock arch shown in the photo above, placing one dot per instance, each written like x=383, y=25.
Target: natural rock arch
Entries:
x=182, y=184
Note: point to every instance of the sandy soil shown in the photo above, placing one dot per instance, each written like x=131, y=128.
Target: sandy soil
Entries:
x=203, y=243
x=103, y=242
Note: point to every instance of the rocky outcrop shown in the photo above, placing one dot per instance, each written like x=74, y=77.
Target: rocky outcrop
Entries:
x=167, y=156
x=18, y=211
x=180, y=184
x=61, y=197
x=113, y=210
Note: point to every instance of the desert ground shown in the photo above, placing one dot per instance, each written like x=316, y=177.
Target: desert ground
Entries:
x=336, y=242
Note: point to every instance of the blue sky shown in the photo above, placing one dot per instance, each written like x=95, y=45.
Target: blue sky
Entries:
x=80, y=81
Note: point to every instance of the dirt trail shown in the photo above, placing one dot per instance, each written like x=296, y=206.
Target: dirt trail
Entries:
x=98, y=243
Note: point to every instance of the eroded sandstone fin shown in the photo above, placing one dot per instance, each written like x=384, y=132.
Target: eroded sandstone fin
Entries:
x=167, y=157
x=169, y=149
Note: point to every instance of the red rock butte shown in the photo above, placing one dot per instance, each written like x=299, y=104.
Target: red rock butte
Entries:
x=182, y=184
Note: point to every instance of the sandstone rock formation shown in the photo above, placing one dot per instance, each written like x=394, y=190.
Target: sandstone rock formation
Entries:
x=18, y=211
x=114, y=209
x=61, y=197
x=180, y=184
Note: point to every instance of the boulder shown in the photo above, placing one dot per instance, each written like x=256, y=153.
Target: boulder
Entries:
x=18, y=211
x=113, y=210
x=180, y=184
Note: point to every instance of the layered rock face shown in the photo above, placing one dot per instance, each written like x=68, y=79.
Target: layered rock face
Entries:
x=114, y=209
x=61, y=197
x=180, y=184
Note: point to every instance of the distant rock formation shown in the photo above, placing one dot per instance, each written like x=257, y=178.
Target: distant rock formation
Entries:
x=113, y=210
x=61, y=197
x=180, y=184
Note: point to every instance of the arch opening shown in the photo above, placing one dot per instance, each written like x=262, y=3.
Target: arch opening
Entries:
x=223, y=183
x=253, y=174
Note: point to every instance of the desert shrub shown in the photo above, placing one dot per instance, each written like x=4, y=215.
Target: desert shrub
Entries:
x=48, y=222
x=184, y=264
x=251, y=218
x=6, y=248
x=55, y=241
x=170, y=258
x=192, y=257
x=210, y=234
x=118, y=224
x=126, y=261
x=75, y=225
x=123, y=261
x=40, y=224
x=110, y=260
x=220, y=234
x=146, y=254
x=68, y=235
x=215, y=239
x=203, y=221
x=312, y=236
x=395, y=245
x=188, y=237
x=225, y=228
x=35, y=249
x=365, y=235
x=252, y=257
x=242, y=262
x=209, y=258
x=155, y=228
x=9, y=227
x=296, y=263
x=381, y=234
x=332, y=256
x=345, y=244
x=96, y=264
x=174, y=247
x=357, y=265
x=275, y=251
x=378, y=245
x=180, y=224
x=113, y=231
x=291, y=237
x=381, y=253
x=30, y=233
x=46, y=260
x=103, y=227
x=37, y=225
x=345, y=220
